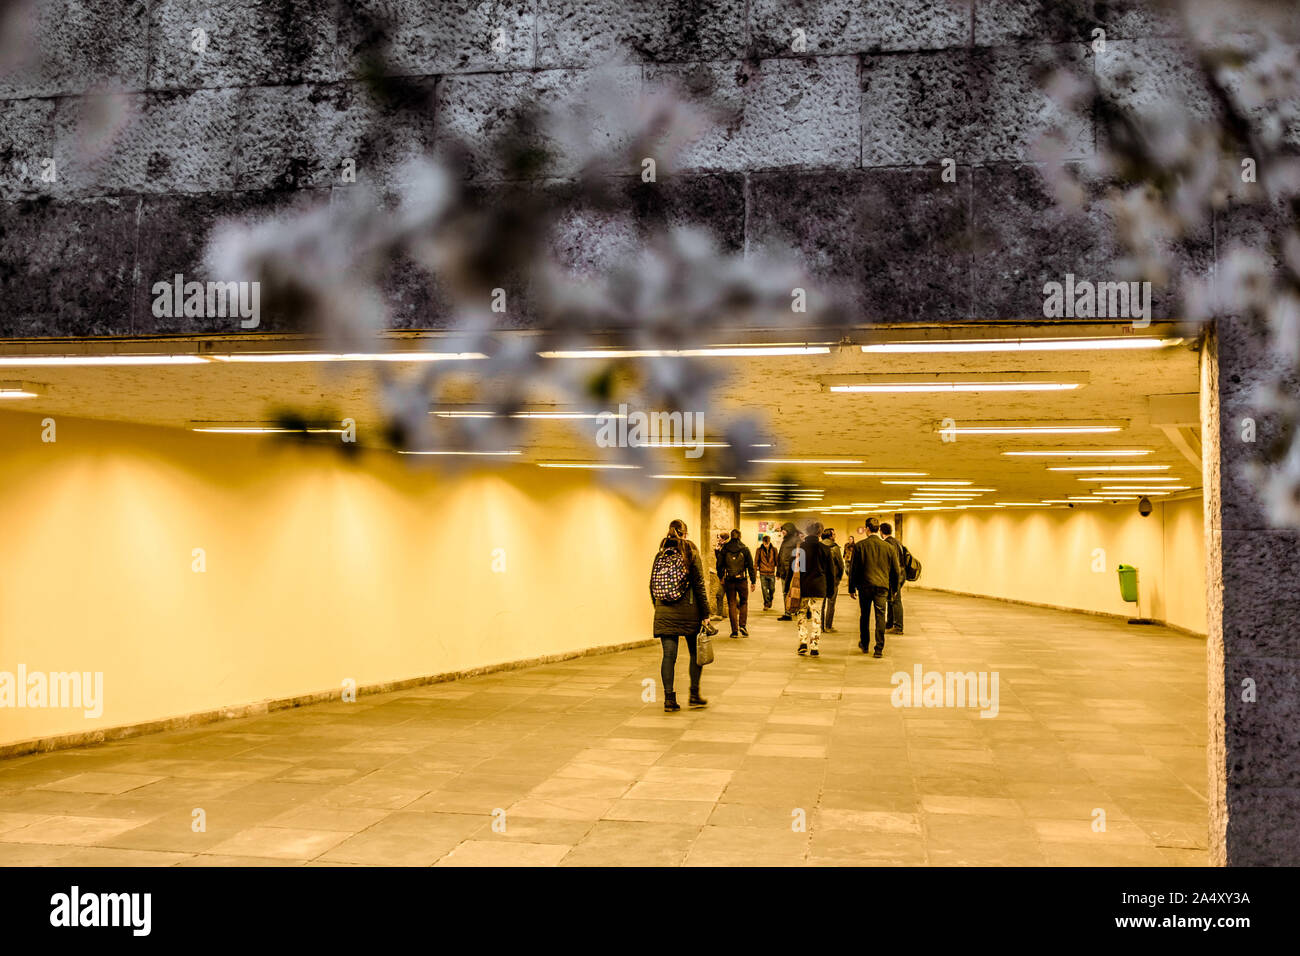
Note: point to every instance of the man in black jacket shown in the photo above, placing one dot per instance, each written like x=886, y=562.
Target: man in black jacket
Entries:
x=873, y=577
x=894, y=614
x=735, y=564
x=784, y=566
x=812, y=559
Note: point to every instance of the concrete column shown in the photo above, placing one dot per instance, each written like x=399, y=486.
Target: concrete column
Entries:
x=1253, y=577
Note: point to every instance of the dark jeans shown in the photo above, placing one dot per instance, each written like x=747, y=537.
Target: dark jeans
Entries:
x=737, y=602
x=768, y=582
x=828, y=607
x=669, y=666
x=894, y=616
x=872, y=599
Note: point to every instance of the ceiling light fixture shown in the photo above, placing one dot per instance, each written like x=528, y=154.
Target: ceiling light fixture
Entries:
x=914, y=387
x=715, y=351
x=469, y=453
x=1027, y=429
x=805, y=461
x=1082, y=453
x=92, y=360
x=585, y=464
x=294, y=357
x=1026, y=345
x=876, y=474
x=927, y=481
x=18, y=390
x=1105, y=467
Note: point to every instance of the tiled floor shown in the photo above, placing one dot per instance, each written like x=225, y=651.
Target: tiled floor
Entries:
x=795, y=761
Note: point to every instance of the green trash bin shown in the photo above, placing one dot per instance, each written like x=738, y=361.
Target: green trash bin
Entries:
x=1128, y=590
x=1128, y=583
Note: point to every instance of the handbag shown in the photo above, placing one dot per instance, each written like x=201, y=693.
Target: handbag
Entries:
x=703, y=646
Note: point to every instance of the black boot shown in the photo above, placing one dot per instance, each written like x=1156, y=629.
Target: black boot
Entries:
x=670, y=703
x=696, y=700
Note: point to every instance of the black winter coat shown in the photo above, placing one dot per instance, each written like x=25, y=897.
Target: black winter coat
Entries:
x=682, y=617
x=818, y=569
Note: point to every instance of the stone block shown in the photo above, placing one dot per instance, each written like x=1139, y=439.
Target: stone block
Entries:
x=774, y=113
x=197, y=44
x=591, y=32
x=1263, y=734
x=1260, y=600
x=1263, y=826
x=478, y=120
x=299, y=136
x=895, y=242
x=66, y=267
x=1153, y=78
x=75, y=47
x=844, y=26
x=26, y=142
x=971, y=106
x=173, y=237
x=164, y=142
x=413, y=37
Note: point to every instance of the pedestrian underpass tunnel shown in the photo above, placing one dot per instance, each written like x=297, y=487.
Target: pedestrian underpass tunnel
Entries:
x=187, y=572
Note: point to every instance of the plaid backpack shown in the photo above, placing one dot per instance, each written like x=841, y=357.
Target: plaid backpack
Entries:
x=668, y=576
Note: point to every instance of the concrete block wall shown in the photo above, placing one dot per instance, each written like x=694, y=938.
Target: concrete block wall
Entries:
x=834, y=149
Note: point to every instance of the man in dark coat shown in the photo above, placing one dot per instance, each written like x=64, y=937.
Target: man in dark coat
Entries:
x=784, y=569
x=735, y=566
x=894, y=613
x=874, y=575
x=813, y=560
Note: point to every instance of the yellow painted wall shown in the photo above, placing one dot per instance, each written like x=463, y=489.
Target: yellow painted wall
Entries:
x=1046, y=555
x=318, y=568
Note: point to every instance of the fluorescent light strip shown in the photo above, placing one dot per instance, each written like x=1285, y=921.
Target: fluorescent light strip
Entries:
x=541, y=415
x=877, y=474
x=1025, y=345
x=1031, y=430
x=1145, y=479
x=584, y=464
x=961, y=387
x=1106, y=467
x=291, y=357
x=1139, y=489
x=696, y=477
x=805, y=461
x=1082, y=453
x=12, y=393
x=263, y=430
x=92, y=360
x=679, y=444
x=718, y=351
x=472, y=453
x=926, y=481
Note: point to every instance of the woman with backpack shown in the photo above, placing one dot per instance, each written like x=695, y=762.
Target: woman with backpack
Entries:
x=681, y=605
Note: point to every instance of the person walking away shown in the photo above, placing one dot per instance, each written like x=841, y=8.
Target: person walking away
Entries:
x=677, y=529
x=681, y=606
x=715, y=579
x=784, y=569
x=736, y=570
x=813, y=562
x=848, y=556
x=766, y=559
x=876, y=572
x=894, y=612
x=833, y=588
